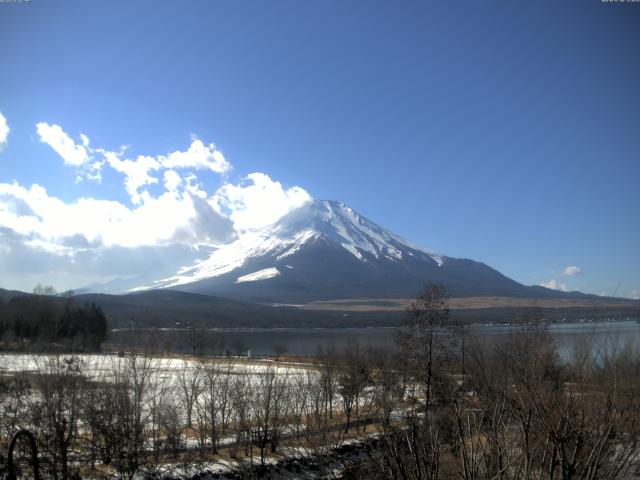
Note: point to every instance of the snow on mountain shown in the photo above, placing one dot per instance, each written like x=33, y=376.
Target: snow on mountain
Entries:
x=330, y=221
x=259, y=275
x=355, y=233
x=326, y=250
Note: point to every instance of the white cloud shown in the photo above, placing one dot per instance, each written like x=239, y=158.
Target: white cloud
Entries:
x=554, y=285
x=23, y=265
x=635, y=294
x=136, y=173
x=571, y=271
x=44, y=237
x=82, y=241
x=4, y=131
x=171, y=180
x=199, y=156
x=139, y=172
x=168, y=218
x=258, y=201
x=63, y=144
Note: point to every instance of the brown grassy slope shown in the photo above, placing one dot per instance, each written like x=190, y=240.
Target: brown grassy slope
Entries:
x=468, y=303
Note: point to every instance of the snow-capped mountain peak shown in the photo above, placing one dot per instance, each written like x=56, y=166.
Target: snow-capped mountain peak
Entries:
x=325, y=250
x=340, y=223
x=331, y=222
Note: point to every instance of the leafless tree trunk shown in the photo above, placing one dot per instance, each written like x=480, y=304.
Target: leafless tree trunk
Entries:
x=55, y=410
x=189, y=382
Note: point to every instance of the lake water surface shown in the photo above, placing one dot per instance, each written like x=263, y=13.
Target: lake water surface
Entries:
x=308, y=341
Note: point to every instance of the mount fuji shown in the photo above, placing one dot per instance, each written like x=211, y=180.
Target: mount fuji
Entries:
x=326, y=250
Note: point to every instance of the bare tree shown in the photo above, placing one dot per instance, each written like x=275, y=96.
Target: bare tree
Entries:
x=328, y=367
x=190, y=384
x=298, y=399
x=15, y=392
x=126, y=431
x=55, y=410
x=241, y=401
x=412, y=447
x=352, y=377
x=269, y=410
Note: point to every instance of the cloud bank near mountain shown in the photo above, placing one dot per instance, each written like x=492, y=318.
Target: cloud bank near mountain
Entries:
x=68, y=243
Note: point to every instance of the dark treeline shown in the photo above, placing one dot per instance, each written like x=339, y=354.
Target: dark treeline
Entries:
x=43, y=321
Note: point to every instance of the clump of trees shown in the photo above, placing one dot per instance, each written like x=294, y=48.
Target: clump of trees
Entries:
x=509, y=411
x=44, y=320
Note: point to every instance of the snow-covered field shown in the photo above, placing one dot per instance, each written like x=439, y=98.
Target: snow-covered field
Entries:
x=99, y=365
x=168, y=371
x=170, y=386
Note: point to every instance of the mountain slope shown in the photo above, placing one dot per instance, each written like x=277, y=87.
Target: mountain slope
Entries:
x=168, y=308
x=326, y=250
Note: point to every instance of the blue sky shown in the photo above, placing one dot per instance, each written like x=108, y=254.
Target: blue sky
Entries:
x=506, y=132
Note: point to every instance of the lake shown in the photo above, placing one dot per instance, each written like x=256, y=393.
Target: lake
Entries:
x=307, y=341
